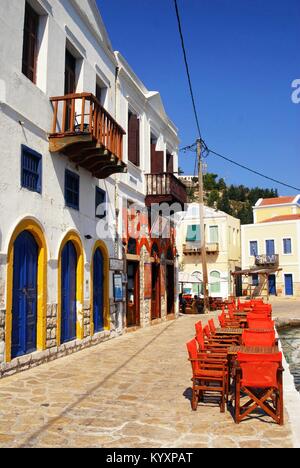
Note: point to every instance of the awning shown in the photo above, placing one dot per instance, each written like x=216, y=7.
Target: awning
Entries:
x=256, y=271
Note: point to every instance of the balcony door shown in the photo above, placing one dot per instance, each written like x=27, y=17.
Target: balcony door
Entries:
x=70, y=83
x=270, y=247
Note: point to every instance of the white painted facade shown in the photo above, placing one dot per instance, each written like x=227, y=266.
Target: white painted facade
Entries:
x=26, y=117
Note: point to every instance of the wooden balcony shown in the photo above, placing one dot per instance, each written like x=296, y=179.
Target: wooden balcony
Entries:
x=165, y=188
x=267, y=260
x=194, y=248
x=87, y=134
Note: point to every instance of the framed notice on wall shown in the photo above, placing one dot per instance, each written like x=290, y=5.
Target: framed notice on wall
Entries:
x=148, y=281
x=118, y=288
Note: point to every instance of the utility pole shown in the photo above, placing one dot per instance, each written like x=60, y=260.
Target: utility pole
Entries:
x=202, y=228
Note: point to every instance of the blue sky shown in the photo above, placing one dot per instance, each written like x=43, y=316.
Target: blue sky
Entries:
x=243, y=56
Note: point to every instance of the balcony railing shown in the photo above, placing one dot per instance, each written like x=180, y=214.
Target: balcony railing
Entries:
x=191, y=248
x=267, y=260
x=84, y=131
x=165, y=187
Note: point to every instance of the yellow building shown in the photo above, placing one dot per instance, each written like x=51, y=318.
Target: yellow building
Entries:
x=271, y=244
x=223, y=247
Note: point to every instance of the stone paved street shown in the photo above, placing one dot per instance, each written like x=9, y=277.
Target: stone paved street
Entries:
x=132, y=391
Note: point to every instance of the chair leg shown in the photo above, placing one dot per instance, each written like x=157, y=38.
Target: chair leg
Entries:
x=237, y=402
x=195, y=398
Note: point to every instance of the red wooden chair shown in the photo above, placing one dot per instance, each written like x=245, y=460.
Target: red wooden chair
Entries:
x=259, y=377
x=228, y=323
x=211, y=345
x=207, y=377
x=253, y=338
x=210, y=333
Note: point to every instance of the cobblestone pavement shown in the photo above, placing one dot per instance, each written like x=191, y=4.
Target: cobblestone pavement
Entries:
x=132, y=391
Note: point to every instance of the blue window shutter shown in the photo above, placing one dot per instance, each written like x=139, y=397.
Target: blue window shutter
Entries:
x=31, y=169
x=193, y=233
x=100, y=210
x=72, y=190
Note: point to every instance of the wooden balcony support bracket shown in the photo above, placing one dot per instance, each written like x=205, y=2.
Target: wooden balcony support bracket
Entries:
x=90, y=138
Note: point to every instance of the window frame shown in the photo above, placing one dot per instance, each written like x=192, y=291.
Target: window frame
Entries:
x=77, y=178
x=291, y=246
x=29, y=151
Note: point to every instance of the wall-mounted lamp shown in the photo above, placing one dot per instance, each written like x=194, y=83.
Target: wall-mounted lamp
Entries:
x=88, y=237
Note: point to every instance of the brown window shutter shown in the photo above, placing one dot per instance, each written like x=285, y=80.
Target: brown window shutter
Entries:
x=134, y=139
x=157, y=160
x=170, y=163
x=29, y=59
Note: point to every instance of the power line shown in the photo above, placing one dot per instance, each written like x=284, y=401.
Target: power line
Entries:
x=187, y=68
x=253, y=170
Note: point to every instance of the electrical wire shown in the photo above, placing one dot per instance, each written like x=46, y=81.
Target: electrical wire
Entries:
x=187, y=68
x=253, y=170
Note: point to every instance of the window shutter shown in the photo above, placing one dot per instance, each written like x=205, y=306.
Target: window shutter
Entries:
x=134, y=139
x=30, y=43
x=170, y=163
x=157, y=161
x=193, y=233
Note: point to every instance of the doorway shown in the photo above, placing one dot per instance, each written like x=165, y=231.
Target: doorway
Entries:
x=272, y=285
x=24, y=307
x=170, y=289
x=133, y=294
x=289, y=286
x=68, y=292
x=98, y=291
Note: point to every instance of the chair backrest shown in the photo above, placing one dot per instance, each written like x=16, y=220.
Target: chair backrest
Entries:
x=262, y=308
x=222, y=321
x=212, y=326
x=264, y=324
x=193, y=354
x=256, y=316
x=207, y=332
x=259, y=370
x=258, y=338
x=198, y=327
x=200, y=341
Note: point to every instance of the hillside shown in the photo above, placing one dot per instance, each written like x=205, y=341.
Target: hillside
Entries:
x=236, y=200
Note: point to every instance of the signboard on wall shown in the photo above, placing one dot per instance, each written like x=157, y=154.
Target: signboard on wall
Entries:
x=118, y=288
x=148, y=281
x=115, y=264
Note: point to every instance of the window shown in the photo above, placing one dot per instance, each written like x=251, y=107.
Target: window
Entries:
x=72, y=190
x=100, y=203
x=214, y=234
x=287, y=246
x=253, y=248
x=31, y=170
x=215, y=283
x=30, y=41
x=193, y=233
x=133, y=139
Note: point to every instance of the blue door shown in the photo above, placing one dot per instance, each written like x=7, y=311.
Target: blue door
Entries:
x=98, y=283
x=68, y=293
x=289, y=287
x=24, y=308
x=272, y=285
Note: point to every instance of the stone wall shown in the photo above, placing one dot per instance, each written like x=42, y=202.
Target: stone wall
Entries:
x=51, y=326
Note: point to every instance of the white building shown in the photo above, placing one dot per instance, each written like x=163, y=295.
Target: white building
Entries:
x=223, y=250
x=61, y=157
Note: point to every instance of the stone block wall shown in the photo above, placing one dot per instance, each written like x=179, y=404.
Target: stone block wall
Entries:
x=51, y=326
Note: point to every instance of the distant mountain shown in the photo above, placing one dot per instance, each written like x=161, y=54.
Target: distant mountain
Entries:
x=236, y=200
